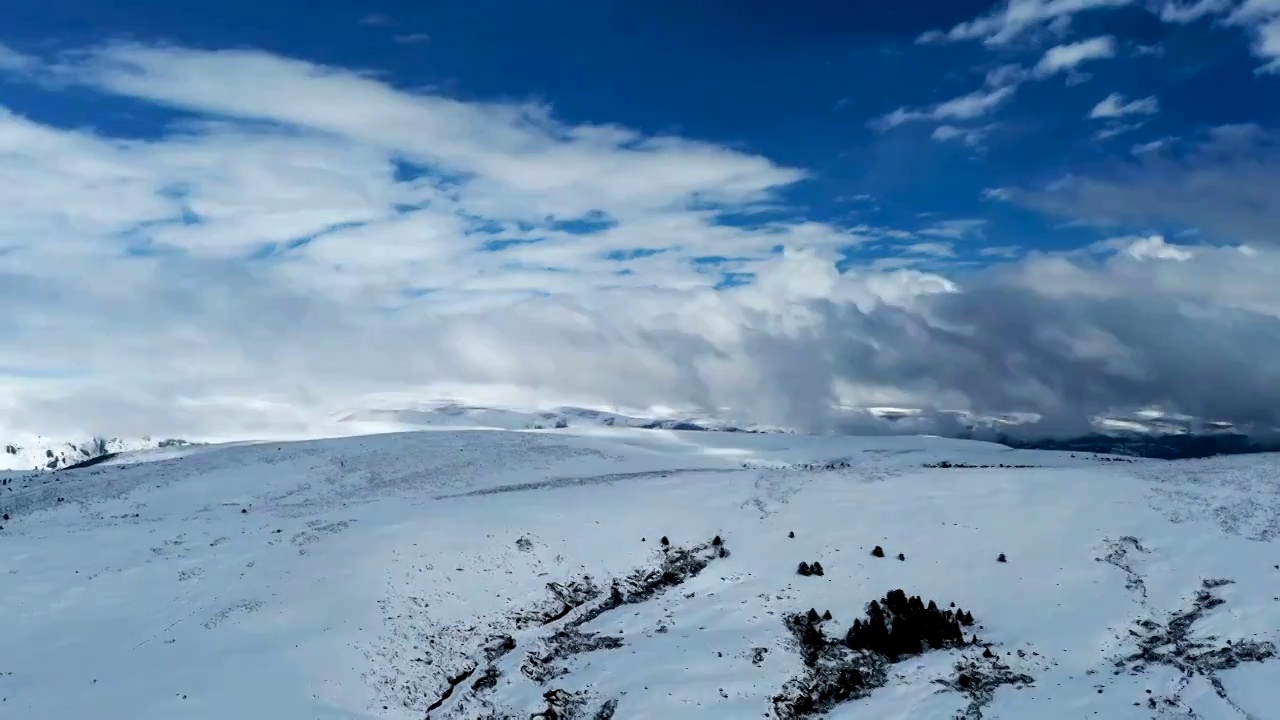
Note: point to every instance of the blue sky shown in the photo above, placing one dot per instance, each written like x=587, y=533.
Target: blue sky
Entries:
x=584, y=173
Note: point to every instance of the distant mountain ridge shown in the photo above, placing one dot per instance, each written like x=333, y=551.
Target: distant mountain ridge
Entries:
x=1160, y=438
x=464, y=415
x=1162, y=446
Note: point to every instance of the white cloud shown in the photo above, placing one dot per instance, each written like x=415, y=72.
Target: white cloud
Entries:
x=1251, y=11
x=319, y=238
x=970, y=136
x=1016, y=18
x=520, y=155
x=956, y=229
x=1116, y=129
x=1000, y=85
x=1149, y=147
x=966, y=107
x=14, y=61
x=1152, y=247
x=1267, y=45
x=1115, y=106
x=1261, y=18
x=1062, y=58
x=933, y=249
x=1187, y=11
x=1220, y=184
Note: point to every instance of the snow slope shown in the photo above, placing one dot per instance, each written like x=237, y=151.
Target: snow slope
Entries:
x=359, y=577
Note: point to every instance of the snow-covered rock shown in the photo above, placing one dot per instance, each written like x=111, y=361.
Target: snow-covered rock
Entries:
x=617, y=572
x=41, y=453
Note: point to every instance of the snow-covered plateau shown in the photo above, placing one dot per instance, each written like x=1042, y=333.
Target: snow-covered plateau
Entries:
x=597, y=572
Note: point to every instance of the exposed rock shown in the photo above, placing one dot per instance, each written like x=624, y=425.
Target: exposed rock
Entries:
x=877, y=551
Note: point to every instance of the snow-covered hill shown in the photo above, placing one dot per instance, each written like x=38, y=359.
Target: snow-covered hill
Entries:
x=597, y=572
x=36, y=452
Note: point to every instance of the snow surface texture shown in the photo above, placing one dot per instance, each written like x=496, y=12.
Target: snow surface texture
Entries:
x=479, y=574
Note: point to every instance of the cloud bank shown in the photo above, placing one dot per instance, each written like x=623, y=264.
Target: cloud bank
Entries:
x=300, y=243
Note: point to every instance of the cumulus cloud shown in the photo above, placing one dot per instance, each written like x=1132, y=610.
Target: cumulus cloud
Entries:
x=316, y=240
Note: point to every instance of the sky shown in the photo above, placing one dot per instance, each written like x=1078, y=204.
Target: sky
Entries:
x=236, y=218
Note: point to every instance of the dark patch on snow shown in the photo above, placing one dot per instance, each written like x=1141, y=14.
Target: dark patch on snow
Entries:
x=91, y=462
x=948, y=465
x=1173, y=643
x=1118, y=554
x=565, y=598
x=898, y=626
x=841, y=669
x=574, y=604
x=978, y=679
x=453, y=683
x=498, y=646
x=564, y=705
x=758, y=654
x=547, y=665
x=488, y=680
x=807, y=569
